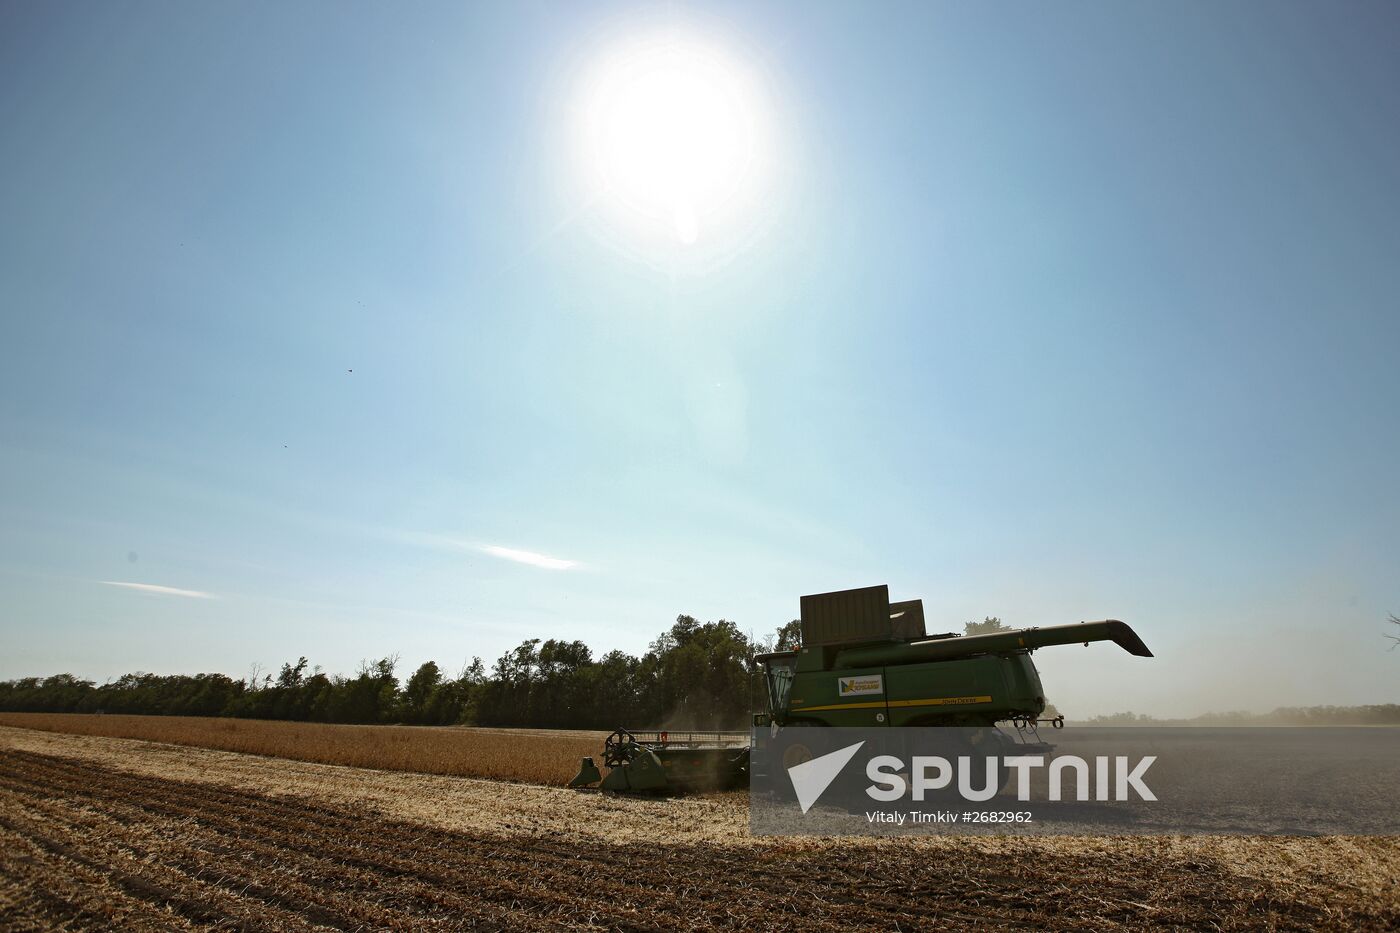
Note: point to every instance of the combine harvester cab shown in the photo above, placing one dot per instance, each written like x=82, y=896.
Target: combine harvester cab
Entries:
x=865, y=662
x=667, y=762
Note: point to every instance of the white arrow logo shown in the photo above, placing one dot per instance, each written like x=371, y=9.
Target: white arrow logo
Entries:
x=811, y=778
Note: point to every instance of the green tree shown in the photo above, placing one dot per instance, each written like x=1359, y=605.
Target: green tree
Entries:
x=789, y=636
x=697, y=676
x=291, y=676
x=504, y=699
x=560, y=693
x=987, y=626
x=615, y=690
x=466, y=691
x=368, y=697
x=418, y=693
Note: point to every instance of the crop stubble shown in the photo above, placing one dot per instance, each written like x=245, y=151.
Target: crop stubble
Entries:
x=85, y=845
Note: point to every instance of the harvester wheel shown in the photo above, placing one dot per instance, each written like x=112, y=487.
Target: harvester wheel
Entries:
x=796, y=754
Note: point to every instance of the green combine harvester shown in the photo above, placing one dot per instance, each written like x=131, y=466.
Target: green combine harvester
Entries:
x=864, y=662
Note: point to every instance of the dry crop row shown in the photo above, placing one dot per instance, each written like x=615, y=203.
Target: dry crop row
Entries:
x=82, y=847
x=498, y=754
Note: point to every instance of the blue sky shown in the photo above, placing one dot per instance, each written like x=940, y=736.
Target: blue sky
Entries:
x=1047, y=313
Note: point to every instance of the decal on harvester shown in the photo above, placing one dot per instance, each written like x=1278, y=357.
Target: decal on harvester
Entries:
x=860, y=686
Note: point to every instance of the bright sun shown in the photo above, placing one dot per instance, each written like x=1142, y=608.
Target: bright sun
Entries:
x=672, y=135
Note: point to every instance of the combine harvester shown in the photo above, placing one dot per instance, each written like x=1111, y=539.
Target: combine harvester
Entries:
x=864, y=662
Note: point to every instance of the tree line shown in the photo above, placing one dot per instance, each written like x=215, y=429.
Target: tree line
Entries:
x=696, y=675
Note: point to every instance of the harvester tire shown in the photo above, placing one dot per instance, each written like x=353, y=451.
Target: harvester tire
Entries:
x=795, y=750
x=795, y=754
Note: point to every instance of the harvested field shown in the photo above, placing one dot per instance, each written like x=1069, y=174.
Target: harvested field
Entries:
x=548, y=758
x=98, y=832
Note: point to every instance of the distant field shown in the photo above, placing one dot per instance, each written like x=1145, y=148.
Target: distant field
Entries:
x=543, y=757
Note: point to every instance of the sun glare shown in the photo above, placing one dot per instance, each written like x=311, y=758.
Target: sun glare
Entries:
x=672, y=135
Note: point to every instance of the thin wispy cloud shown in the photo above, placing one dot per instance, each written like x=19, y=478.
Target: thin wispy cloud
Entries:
x=517, y=555
x=528, y=557
x=157, y=588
